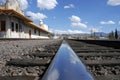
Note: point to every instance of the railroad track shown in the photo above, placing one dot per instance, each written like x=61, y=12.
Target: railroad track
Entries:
x=31, y=65
x=30, y=59
x=101, y=61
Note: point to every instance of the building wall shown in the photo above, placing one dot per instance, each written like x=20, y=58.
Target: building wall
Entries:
x=43, y=35
x=15, y=33
x=23, y=29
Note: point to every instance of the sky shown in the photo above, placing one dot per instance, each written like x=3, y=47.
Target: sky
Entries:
x=74, y=16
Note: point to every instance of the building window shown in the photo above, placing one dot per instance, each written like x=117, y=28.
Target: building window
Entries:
x=3, y=25
x=20, y=28
x=35, y=31
x=12, y=26
x=16, y=27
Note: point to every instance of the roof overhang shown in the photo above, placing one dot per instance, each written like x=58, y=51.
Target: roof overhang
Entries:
x=22, y=17
x=37, y=27
x=14, y=13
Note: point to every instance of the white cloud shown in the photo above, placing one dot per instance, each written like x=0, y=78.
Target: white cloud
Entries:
x=94, y=30
x=79, y=24
x=69, y=31
x=54, y=75
x=113, y=2
x=107, y=22
x=74, y=18
x=69, y=6
x=58, y=31
x=76, y=22
x=36, y=16
x=75, y=31
x=119, y=22
x=46, y=4
x=23, y=4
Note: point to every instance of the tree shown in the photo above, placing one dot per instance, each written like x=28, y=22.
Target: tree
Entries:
x=111, y=35
x=116, y=34
x=101, y=35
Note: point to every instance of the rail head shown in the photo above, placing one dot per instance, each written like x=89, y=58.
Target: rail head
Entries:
x=66, y=66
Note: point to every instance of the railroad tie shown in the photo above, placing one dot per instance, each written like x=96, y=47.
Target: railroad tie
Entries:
x=28, y=62
x=42, y=54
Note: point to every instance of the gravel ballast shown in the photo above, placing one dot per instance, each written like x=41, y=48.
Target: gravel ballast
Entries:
x=13, y=52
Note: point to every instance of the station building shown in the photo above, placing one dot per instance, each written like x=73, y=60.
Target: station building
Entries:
x=14, y=24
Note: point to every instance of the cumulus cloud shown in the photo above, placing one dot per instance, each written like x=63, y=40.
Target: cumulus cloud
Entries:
x=36, y=16
x=119, y=22
x=76, y=22
x=23, y=4
x=74, y=18
x=69, y=6
x=94, y=29
x=79, y=24
x=58, y=31
x=75, y=31
x=113, y=2
x=107, y=22
x=46, y=4
x=69, y=31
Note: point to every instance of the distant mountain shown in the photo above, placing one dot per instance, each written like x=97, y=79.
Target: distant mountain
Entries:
x=85, y=35
x=96, y=34
x=82, y=34
x=101, y=34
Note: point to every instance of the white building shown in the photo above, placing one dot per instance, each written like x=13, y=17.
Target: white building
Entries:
x=14, y=24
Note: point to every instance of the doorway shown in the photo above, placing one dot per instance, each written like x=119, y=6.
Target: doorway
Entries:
x=29, y=33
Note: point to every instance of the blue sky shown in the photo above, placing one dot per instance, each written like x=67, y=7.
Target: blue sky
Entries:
x=74, y=16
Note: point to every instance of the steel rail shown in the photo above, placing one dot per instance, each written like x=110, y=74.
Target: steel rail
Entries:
x=67, y=66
